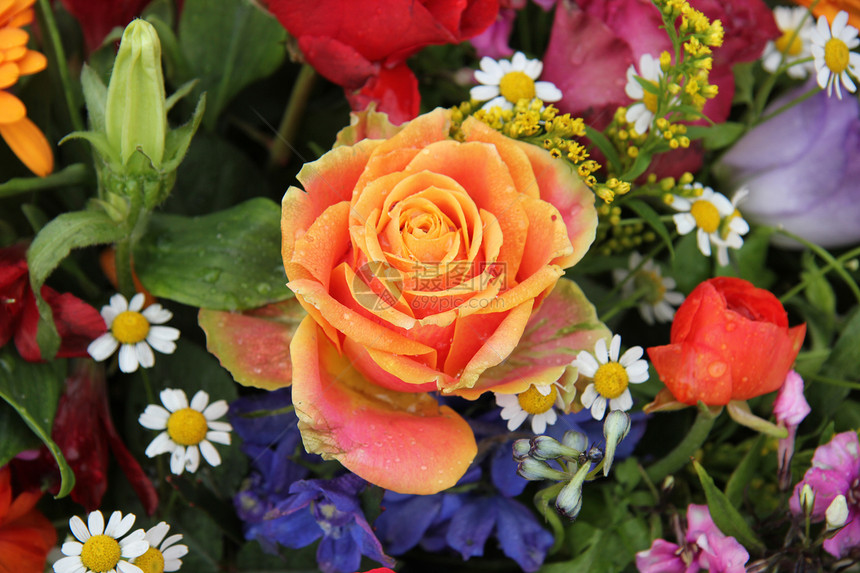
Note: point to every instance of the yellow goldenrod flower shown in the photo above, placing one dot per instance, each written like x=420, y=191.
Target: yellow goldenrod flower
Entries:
x=22, y=135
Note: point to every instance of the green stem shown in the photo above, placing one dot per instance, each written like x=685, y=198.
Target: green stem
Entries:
x=820, y=272
x=124, y=273
x=51, y=34
x=282, y=145
x=824, y=254
x=680, y=456
x=789, y=105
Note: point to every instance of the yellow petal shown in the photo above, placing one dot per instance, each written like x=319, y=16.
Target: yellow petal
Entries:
x=29, y=144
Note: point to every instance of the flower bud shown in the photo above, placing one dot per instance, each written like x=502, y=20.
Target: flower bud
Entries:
x=135, y=112
x=807, y=499
x=575, y=440
x=521, y=449
x=569, y=500
x=837, y=512
x=533, y=469
x=615, y=429
x=547, y=448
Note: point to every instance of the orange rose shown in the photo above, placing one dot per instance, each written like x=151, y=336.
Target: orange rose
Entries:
x=422, y=262
x=829, y=9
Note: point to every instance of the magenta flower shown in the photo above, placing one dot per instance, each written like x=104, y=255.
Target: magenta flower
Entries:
x=835, y=471
x=705, y=547
x=790, y=408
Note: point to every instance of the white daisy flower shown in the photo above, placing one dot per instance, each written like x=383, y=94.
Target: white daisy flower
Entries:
x=659, y=302
x=793, y=46
x=832, y=55
x=134, y=331
x=716, y=219
x=165, y=557
x=610, y=376
x=504, y=82
x=188, y=430
x=539, y=402
x=99, y=549
x=641, y=113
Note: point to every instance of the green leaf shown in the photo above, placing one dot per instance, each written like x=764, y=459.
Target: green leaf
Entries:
x=95, y=95
x=229, y=260
x=651, y=216
x=605, y=147
x=53, y=244
x=16, y=436
x=33, y=390
x=179, y=139
x=643, y=160
x=213, y=176
x=751, y=259
x=717, y=136
x=744, y=82
x=71, y=175
x=818, y=290
x=229, y=44
x=689, y=265
x=746, y=470
x=725, y=516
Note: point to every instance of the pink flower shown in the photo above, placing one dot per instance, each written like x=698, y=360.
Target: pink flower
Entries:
x=790, y=408
x=705, y=547
x=835, y=471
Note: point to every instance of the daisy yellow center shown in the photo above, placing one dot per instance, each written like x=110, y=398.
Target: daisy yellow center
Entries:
x=534, y=402
x=151, y=562
x=130, y=327
x=652, y=284
x=611, y=380
x=515, y=86
x=100, y=553
x=187, y=427
x=706, y=215
x=789, y=43
x=650, y=100
x=836, y=55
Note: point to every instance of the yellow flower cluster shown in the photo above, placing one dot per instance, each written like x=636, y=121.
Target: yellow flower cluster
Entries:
x=618, y=235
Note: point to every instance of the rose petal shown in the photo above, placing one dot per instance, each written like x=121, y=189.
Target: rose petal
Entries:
x=403, y=442
x=254, y=346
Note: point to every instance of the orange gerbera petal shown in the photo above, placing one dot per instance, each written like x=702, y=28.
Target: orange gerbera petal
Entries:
x=12, y=38
x=11, y=108
x=28, y=142
x=31, y=63
x=8, y=74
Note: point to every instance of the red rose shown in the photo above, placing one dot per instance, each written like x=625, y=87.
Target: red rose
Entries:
x=363, y=44
x=729, y=341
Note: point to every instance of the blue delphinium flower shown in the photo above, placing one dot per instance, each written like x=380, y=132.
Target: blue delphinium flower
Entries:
x=326, y=510
x=465, y=521
x=270, y=436
x=279, y=507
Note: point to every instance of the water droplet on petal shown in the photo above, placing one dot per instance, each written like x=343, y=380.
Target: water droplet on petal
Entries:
x=717, y=369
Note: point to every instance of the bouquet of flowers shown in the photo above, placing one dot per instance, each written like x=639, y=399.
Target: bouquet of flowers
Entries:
x=562, y=285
